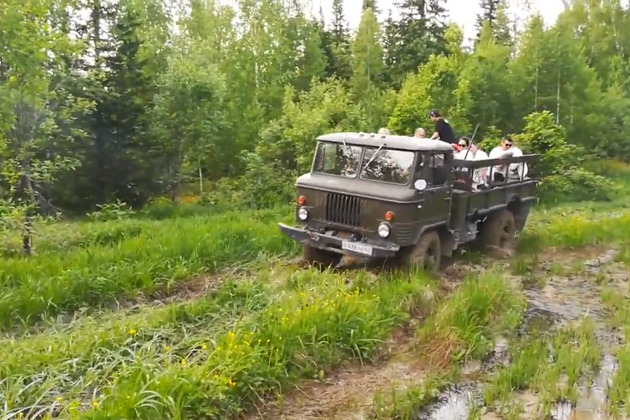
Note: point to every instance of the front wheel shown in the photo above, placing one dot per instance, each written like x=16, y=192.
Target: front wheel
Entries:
x=427, y=253
x=319, y=257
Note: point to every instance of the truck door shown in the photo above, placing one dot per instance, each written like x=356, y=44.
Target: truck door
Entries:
x=437, y=202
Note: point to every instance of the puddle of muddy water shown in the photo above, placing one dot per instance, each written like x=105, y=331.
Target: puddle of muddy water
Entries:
x=591, y=403
x=453, y=404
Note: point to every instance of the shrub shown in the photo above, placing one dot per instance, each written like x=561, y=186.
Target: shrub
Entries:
x=561, y=165
x=575, y=184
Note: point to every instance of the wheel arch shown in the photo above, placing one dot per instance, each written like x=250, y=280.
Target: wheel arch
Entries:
x=447, y=240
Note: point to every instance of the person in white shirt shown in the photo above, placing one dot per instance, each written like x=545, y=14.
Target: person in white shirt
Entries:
x=470, y=151
x=505, y=150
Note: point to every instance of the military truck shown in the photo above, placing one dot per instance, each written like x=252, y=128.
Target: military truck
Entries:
x=405, y=198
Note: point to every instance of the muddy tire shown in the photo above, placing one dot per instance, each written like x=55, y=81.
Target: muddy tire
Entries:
x=427, y=253
x=499, y=230
x=318, y=257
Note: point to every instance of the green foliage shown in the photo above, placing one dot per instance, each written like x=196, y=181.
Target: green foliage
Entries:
x=151, y=262
x=463, y=326
x=111, y=211
x=214, y=355
x=575, y=184
x=287, y=145
x=488, y=82
x=543, y=136
x=437, y=85
x=563, y=178
x=188, y=114
x=367, y=58
x=405, y=404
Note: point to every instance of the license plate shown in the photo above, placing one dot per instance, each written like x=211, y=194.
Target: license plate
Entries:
x=357, y=247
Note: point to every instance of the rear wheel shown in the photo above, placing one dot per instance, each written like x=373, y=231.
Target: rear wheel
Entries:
x=319, y=257
x=427, y=253
x=499, y=230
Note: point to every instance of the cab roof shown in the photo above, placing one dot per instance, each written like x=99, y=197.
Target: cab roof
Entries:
x=391, y=141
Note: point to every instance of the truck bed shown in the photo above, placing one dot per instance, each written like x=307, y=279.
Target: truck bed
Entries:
x=468, y=202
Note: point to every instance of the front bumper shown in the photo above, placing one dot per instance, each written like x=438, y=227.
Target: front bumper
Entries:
x=330, y=241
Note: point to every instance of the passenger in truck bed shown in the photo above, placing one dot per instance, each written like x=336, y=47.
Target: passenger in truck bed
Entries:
x=515, y=170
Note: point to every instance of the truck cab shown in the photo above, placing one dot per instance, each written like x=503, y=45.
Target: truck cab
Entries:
x=385, y=196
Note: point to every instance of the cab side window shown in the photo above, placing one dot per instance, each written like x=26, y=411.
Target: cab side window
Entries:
x=440, y=168
x=424, y=167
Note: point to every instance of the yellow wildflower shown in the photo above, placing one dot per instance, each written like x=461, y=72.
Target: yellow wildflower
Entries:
x=132, y=331
x=231, y=383
x=183, y=362
x=58, y=399
x=203, y=346
x=95, y=404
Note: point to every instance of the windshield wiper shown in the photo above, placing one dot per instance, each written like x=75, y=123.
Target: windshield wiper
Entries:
x=372, y=158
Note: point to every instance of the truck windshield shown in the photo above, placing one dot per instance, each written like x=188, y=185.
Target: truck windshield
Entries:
x=337, y=159
x=388, y=165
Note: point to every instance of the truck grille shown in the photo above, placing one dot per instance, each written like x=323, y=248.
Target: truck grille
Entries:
x=343, y=209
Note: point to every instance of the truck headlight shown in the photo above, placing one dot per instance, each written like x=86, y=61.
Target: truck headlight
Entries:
x=384, y=230
x=302, y=214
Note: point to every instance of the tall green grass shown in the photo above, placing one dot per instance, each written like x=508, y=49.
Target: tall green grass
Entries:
x=571, y=228
x=201, y=360
x=132, y=259
x=61, y=364
x=464, y=326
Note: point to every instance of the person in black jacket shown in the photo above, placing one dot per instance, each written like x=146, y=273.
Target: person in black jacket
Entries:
x=443, y=130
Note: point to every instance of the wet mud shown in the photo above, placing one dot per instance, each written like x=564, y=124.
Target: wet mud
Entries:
x=560, y=287
x=553, y=302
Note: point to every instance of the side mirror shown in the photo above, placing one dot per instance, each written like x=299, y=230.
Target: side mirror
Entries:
x=420, y=184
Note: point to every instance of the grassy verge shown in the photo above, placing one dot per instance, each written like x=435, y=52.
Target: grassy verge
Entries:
x=570, y=227
x=62, y=365
x=153, y=258
x=210, y=358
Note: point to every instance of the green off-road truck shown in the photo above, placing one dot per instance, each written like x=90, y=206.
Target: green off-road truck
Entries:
x=406, y=198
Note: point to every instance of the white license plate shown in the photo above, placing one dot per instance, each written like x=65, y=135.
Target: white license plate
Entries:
x=357, y=247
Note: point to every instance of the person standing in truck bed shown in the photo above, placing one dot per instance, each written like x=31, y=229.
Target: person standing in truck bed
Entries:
x=443, y=130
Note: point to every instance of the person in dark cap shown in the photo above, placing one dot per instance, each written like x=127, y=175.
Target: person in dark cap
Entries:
x=443, y=130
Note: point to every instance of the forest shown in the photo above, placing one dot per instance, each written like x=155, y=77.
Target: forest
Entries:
x=149, y=148
x=131, y=101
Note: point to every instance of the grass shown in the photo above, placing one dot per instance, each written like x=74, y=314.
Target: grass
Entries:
x=461, y=327
x=255, y=336
x=405, y=404
x=464, y=326
x=548, y=365
x=211, y=357
x=115, y=260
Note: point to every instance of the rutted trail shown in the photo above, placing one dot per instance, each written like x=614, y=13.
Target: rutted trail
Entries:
x=560, y=288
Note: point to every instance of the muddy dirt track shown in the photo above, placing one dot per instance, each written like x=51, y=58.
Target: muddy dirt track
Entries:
x=560, y=287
